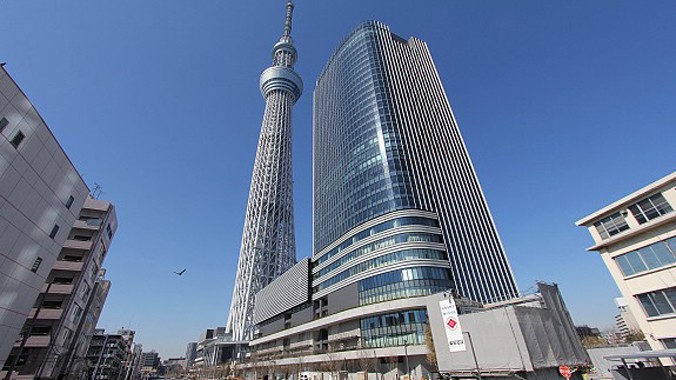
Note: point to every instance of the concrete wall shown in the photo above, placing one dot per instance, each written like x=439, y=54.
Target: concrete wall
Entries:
x=36, y=181
x=507, y=339
x=344, y=298
x=272, y=326
x=603, y=366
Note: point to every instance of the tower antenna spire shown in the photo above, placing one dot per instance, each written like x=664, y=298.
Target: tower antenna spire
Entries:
x=287, y=22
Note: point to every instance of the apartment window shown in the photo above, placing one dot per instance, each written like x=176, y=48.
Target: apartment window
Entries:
x=91, y=220
x=650, y=208
x=102, y=250
x=55, y=229
x=3, y=123
x=10, y=359
x=72, y=258
x=77, y=311
x=65, y=336
x=109, y=231
x=85, y=291
x=51, y=304
x=40, y=330
x=94, y=272
x=659, y=303
x=62, y=280
x=70, y=202
x=669, y=343
x=17, y=139
x=82, y=238
x=36, y=264
x=654, y=256
x=611, y=225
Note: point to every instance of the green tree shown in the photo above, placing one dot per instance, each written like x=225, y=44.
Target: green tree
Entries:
x=592, y=341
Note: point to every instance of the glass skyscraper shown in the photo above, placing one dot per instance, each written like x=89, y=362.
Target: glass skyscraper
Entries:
x=398, y=208
x=400, y=221
x=400, y=225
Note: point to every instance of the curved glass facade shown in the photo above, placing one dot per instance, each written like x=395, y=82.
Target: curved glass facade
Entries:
x=390, y=258
x=404, y=283
x=389, y=241
x=398, y=222
x=394, y=329
x=362, y=172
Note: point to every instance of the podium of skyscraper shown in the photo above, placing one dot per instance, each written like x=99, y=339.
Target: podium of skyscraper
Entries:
x=268, y=244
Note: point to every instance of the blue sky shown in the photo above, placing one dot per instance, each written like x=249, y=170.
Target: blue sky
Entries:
x=564, y=106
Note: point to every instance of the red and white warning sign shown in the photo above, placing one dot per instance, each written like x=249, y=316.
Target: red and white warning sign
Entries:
x=452, y=323
x=565, y=371
x=449, y=314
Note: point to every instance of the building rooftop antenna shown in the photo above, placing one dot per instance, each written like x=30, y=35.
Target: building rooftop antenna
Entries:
x=97, y=191
x=287, y=22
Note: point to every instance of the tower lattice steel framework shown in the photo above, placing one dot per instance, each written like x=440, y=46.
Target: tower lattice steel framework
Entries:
x=268, y=244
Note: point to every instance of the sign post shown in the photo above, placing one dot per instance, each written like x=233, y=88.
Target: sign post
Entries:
x=449, y=314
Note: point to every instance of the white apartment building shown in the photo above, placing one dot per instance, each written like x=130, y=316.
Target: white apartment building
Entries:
x=636, y=237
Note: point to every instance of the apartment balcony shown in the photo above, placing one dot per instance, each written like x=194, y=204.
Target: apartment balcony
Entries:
x=58, y=289
x=54, y=314
x=72, y=266
x=91, y=224
x=77, y=244
x=35, y=341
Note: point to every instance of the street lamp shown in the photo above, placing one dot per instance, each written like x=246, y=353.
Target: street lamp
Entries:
x=408, y=369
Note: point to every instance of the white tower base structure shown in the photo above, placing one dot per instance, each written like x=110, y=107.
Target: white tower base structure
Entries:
x=268, y=244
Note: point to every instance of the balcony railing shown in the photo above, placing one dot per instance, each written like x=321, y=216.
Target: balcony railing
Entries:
x=72, y=266
x=35, y=341
x=77, y=244
x=58, y=289
x=47, y=313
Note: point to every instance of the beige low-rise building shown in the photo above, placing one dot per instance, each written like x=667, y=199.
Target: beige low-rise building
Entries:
x=636, y=237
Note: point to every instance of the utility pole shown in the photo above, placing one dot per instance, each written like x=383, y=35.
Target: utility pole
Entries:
x=408, y=369
x=476, y=362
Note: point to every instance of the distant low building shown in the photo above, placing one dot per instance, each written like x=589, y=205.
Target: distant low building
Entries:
x=136, y=363
x=625, y=321
x=215, y=348
x=190, y=354
x=585, y=331
x=175, y=366
x=107, y=355
x=150, y=360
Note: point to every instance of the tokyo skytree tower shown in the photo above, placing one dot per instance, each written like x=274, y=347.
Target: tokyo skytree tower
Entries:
x=268, y=244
